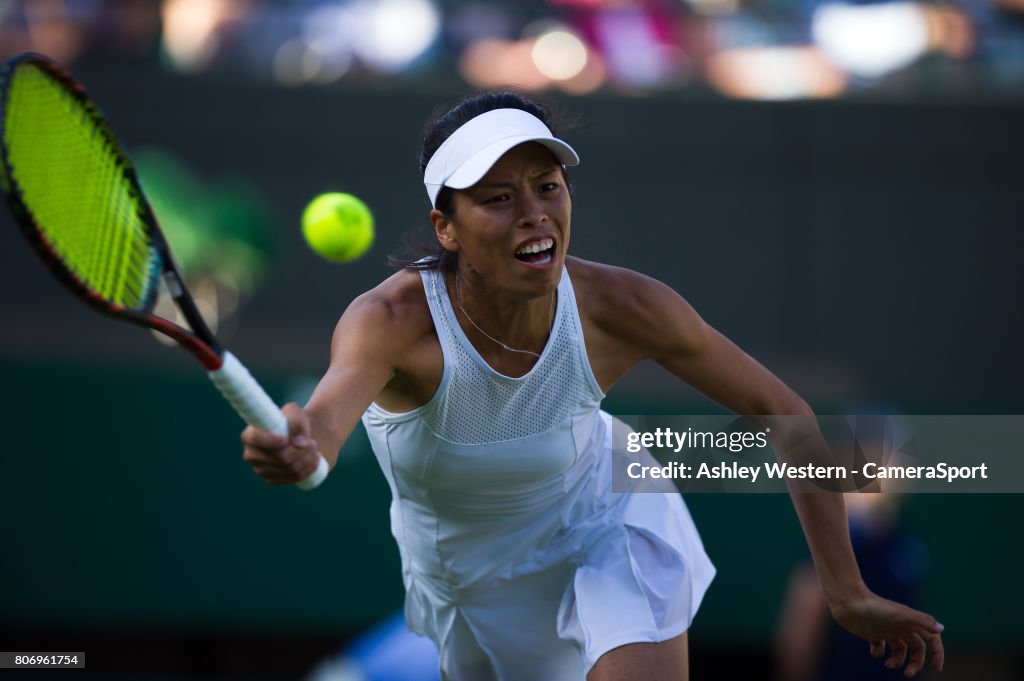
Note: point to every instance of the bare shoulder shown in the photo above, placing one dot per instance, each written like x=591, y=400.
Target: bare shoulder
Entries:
x=392, y=315
x=607, y=287
x=637, y=309
x=611, y=295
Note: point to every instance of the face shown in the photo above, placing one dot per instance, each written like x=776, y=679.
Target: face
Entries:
x=511, y=229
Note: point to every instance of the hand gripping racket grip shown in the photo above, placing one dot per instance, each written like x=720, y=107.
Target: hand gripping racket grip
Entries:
x=255, y=406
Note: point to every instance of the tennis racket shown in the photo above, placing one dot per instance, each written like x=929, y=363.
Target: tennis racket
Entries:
x=76, y=197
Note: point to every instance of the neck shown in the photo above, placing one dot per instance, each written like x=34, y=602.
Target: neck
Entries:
x=497, y=322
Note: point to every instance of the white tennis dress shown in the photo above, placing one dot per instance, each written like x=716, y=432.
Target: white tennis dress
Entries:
x=519, y=561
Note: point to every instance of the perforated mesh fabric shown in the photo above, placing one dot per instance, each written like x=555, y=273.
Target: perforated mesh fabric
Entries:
x=478, y=406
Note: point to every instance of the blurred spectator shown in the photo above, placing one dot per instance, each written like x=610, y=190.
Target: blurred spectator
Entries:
x=758, y=49
x=67, y=29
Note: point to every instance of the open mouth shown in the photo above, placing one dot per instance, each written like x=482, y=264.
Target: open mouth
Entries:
x=537, y=252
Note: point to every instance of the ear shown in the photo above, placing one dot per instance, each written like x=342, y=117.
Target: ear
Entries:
x=444, y=230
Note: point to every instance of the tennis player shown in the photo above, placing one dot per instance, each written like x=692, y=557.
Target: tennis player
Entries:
x=478, y=373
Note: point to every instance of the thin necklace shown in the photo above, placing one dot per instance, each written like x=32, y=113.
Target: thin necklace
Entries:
x=458, y=294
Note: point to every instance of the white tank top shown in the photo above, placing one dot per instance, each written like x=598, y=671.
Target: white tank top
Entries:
x=516, y=554
x=492, y=466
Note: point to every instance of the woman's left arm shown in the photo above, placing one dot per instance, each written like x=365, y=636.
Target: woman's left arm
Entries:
x=664, y=327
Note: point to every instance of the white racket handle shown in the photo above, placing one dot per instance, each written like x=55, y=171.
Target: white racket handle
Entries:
x=254, y=405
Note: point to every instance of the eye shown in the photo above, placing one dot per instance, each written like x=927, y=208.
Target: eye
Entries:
x=499, y=198
x=549, y=187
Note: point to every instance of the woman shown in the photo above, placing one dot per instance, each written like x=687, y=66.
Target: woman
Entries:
x=478, y=374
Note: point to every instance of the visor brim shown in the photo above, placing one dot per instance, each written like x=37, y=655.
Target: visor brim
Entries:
x=477, y=165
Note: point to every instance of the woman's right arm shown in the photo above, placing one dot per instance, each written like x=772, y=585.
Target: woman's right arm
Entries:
x=369, y=342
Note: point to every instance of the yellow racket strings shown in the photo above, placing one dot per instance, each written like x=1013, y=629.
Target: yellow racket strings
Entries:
x=72, y=181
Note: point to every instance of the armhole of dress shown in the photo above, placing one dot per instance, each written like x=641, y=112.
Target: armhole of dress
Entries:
x=429, y=280
x=574, y=312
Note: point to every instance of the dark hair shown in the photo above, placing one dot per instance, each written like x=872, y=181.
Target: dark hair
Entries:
x=430, y=255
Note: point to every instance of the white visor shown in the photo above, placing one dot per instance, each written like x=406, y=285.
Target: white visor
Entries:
x=466, y=156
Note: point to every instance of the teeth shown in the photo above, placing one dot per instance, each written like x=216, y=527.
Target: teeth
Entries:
x=536, y=247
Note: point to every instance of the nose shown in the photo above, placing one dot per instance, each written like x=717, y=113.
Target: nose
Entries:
x=533, y=211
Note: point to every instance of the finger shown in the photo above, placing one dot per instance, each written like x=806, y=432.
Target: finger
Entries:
x=899, y=654
x=298, y=425
x=938, y=652
x=274, y=470
x=287, y=466
x=917, y=652
x=877, y=648
x=294, y=457
x=273, y=475
x=255, y=437
x=275, y=457
x=925, y=621
x=271, y=467
x=256, y=457
x=305, y=466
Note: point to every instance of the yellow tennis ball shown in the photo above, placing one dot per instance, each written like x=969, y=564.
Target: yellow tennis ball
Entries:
x=338, y=226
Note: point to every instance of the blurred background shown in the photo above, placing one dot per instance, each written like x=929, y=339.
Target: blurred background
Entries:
x=835, y=186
